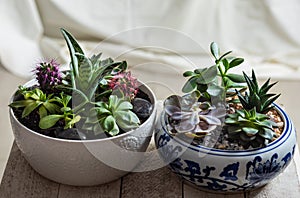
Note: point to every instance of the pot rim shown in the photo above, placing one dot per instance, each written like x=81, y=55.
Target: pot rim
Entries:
x=153, y=113
x=288, y=128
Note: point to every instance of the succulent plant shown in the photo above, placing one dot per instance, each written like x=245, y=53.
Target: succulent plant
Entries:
x=250, y=128
x=257, y=97
x=48, y=74
x=66, y=114
x=36, y=99
x=191, y=117
x=112, y=117
x=123, y=84
x=88, y=75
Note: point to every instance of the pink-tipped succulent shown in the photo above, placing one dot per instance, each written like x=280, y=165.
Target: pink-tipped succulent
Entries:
x=125, y=83
x=48, y=74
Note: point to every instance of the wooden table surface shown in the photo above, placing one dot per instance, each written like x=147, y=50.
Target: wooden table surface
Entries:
x=21, y=181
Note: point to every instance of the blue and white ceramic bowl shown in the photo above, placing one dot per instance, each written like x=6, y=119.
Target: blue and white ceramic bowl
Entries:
x=222, y=170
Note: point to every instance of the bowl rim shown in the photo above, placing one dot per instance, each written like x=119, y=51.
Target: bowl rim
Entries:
x=288, y=128
x=149, y=92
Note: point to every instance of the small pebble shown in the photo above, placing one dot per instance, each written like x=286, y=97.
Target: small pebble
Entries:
x=142, y=108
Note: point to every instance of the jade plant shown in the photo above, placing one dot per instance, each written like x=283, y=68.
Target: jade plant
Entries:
x=214, y=96
x=93, y=99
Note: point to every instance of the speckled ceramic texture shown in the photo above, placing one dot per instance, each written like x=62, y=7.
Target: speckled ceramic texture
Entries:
x=84, y=162
x=226, y=171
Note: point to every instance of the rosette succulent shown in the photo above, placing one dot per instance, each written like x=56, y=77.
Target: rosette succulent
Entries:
x=250, y=128
x=193, y=118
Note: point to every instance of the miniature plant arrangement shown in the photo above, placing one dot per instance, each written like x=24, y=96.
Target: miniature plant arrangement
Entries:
x=99, y=96
x=225, y=133
x=237, y=103
x=86, y=125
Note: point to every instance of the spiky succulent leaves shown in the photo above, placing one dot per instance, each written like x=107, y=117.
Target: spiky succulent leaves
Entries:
x=48, y=75
x=187, y=115
x=36, y=99
x=75, y=53
x=250, y=128
x=66, y=114
x=115, y=116
x=86, y=73
x=256, y=96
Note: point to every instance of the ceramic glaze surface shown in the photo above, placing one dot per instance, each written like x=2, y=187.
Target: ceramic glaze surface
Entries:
x=226, y=171
x=84, y=162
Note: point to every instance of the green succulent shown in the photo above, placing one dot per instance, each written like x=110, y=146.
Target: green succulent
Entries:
x=250, y=128
x=224, y=63
x=66, y=114
x=112, y=117
x=36, y=99
x=88, y=75
x=257, y=97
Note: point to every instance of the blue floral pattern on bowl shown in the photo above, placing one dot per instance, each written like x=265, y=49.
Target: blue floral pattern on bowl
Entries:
x=227, y=171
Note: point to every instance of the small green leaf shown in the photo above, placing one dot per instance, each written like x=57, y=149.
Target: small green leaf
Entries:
x=49, y=121
x=190, y=85
x=214, y=49
x=21, y=103
x=188, y=73
x=236, y=78
x=42, y=112
x=29, y=108
x=110, y=126
x=250, y=131
x=226, y=64
x=235, y=62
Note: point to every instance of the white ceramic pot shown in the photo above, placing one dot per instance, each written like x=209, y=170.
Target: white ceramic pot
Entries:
x=226, y=171
x=84, y=162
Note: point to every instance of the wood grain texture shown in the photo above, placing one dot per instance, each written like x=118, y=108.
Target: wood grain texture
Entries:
x=191, y=192
x=285, y=185
x=154, y=184
x=110, y=190
x=20, y=180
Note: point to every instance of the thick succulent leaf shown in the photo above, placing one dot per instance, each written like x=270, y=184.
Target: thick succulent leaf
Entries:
x=267, y=134
x=110, y=126
x=42, y=112
x=246, y=138
x=188, y=74
x=190, y=85
x=29, y=108
x=250, y=131
x=226, y=64
x=184, y=126
x=236, y=78
x=189, y=100
x=124, y=105
x=127, y=120
x=207, y=75
x=21, y=103
x=235, y=62
x=214, y=49
x=224, y=55
x=215, y=90
x=171, y=110
x=51, y=107
x=211, y=119
x=71, y=122
x=74, y=48
x=49, y=121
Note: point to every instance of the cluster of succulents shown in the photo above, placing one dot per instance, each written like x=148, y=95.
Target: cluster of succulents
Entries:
x=248, y=124
x=95, y=96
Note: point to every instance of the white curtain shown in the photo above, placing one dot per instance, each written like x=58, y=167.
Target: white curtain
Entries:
x=159, y=39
